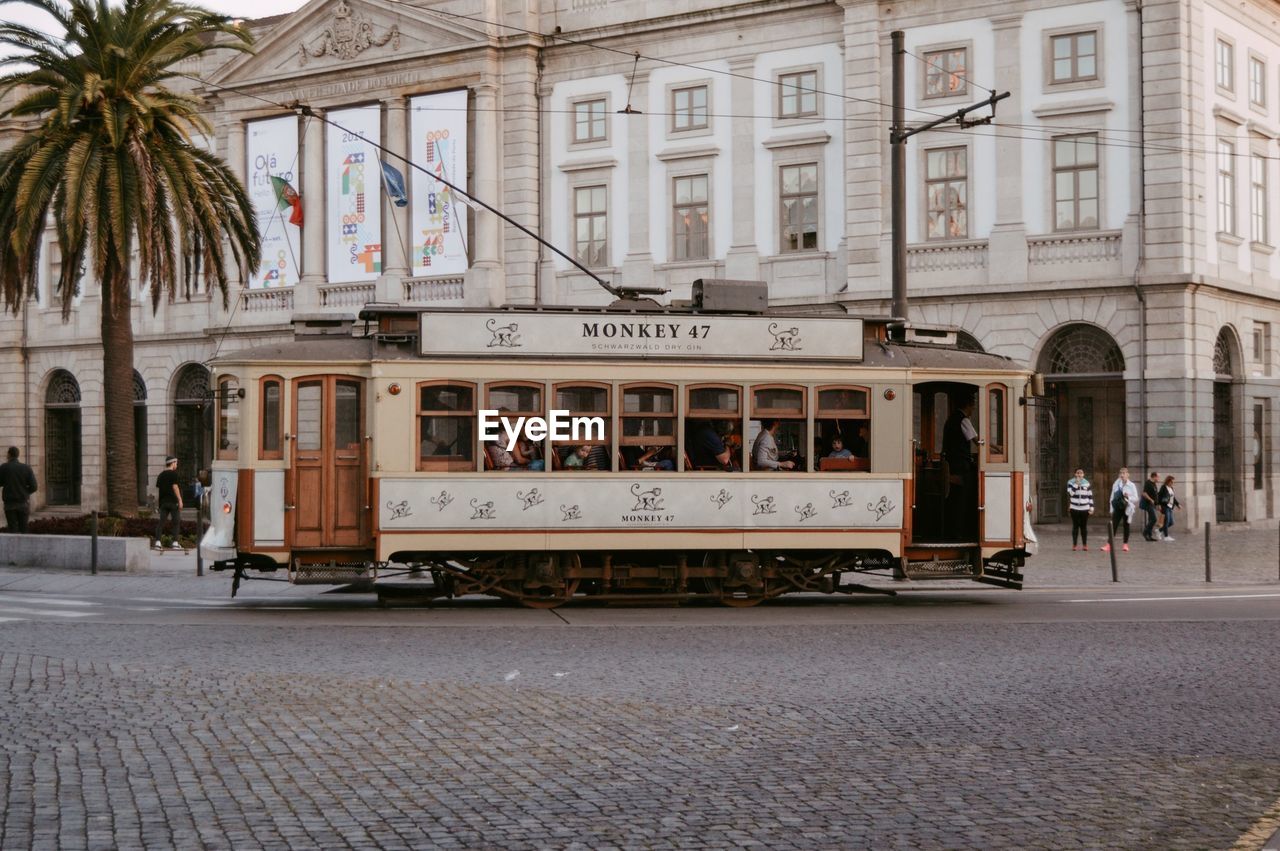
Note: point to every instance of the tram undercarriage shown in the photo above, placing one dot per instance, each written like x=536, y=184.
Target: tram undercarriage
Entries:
x=545, y=580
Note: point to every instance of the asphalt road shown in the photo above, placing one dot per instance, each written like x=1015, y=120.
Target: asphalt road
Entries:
x=1057, y=718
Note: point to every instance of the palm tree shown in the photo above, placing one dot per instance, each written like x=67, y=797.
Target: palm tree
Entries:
x=111, y=160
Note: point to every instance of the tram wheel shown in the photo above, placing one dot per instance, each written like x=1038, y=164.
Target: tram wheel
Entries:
x=743, y=583
x=545, y=585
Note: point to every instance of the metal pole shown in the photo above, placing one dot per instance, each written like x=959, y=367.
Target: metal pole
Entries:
x=93, y=542
x=1208, y=562
x=1111, y=548
x=898, y=179
x=200, y=503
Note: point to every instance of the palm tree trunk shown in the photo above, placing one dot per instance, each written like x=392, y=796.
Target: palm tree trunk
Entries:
x=117, y=393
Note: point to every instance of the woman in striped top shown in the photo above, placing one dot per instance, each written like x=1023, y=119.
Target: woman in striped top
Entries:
x=1080, y=496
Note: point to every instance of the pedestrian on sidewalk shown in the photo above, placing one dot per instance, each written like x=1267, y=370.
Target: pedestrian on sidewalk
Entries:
x=1123, y=502
x=17, y=483
x=1149, y=500
x=1168, y=503
x=1080, y=499
x=169, y=502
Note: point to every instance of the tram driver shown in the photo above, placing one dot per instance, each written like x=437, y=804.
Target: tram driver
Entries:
x=765, y=455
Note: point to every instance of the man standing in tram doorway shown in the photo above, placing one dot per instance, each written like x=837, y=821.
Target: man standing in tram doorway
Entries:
x=169, y=502
x=959, y=443
x=17, y=483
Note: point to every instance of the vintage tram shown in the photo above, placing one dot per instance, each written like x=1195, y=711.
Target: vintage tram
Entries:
x=350, y=455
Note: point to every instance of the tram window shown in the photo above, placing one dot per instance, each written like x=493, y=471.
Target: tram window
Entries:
x=778, y=435
x=589, y=452
x=346, y=414
x=648, y=427
x=843, y=426
x=271, y=416
x=228, y=402
x=446, y=427
x=514, y=401
x=713, y=434
x=996, y=424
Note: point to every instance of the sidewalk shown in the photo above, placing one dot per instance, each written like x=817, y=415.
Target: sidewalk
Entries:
x=1241, y=556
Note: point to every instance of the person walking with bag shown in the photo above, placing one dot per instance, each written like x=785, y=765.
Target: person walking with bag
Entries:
x=1148, y=501
x=1168, y=503
x=1080, y=499
x=17, y=483
x=1123, y=502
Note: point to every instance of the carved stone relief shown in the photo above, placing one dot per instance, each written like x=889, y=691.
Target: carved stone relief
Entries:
x=349, y=35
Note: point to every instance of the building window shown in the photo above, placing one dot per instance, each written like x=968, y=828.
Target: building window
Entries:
x=689, y=235
x=1257, y=82
x=1225, y=65
x=589, y=121
x=1261, y=441
x=1261, y=339
x=799, y=203
x=1226, y=187
x=947, y=190
x=1075, y=57
x=1075, y=182
x=591, y=221
x=1258, y=213
x=945, y=72
x=689, y=108
x=798, y=94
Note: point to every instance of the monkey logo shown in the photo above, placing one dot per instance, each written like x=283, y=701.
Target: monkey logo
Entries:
x=442, y=501
x=881, y=508
x=530, y=499
x=570, y=512
x=399, y=509
x=721, y=499
x=764, y=506
x=841, y=499
x=806, y=511
x=784, y=340
x=650, y=500
x=504, y=336
x=482, y=510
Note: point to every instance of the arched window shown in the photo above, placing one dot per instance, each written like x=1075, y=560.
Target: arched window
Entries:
x=1081, y=349
x=1225, y=355
x=140, y=436
x=62, y=439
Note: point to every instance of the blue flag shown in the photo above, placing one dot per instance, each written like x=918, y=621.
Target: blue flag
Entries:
x=394, y=182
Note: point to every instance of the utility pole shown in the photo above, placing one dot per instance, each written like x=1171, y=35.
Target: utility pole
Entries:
x=898, y=136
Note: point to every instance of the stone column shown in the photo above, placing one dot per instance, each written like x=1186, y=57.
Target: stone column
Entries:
x=1007, y=245
x=637, y=264
x=234, y=157
x=742, y=260
x=307, y=297
x=397, y=241
x=484, y=286
x=866, y=151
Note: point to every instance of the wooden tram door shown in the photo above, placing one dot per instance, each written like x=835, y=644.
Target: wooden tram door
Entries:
x=328, y=462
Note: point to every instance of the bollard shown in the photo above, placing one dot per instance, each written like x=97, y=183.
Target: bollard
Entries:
x=1111, y=549
x=93, y=543
x=1208, y=559
x=200, y=503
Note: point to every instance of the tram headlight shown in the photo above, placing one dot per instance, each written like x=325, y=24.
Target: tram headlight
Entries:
x=394, y=389
x=890, y=394
x=226, y=508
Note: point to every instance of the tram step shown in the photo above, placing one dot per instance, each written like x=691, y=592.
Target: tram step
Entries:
x=301, y=573
x=957, y=568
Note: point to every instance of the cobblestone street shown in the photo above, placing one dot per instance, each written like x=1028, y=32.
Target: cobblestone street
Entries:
x=789, y=726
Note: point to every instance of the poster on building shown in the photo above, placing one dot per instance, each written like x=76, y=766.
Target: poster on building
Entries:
x=353, y=230
x=271, y=150
x=438, y=143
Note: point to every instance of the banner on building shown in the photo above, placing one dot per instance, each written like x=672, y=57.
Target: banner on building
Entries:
x=271, y=150
x=353, y=228
x=438, y=221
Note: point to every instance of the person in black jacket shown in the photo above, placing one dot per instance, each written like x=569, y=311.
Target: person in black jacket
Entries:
x=17, y=483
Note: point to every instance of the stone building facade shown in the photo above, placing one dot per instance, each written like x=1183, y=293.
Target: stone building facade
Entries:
x=1114, y=227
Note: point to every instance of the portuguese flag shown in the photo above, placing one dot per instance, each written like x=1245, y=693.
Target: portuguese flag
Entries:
x=287, y=196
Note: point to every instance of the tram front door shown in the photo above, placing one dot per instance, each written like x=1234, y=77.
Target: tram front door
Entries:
x=946, y=491
x=328, y=463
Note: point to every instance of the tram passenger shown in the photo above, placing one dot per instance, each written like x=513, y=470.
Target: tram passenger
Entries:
x=860, y=444
x=764, y=453
x=523, y=456
x=656, y=458
x=838, y=449
x=708, y=449
x=587, y=457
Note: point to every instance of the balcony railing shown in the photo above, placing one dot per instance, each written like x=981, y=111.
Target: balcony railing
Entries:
x=947, y=257
x=1092, y=247
x=427, y=290
x=255, y=301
